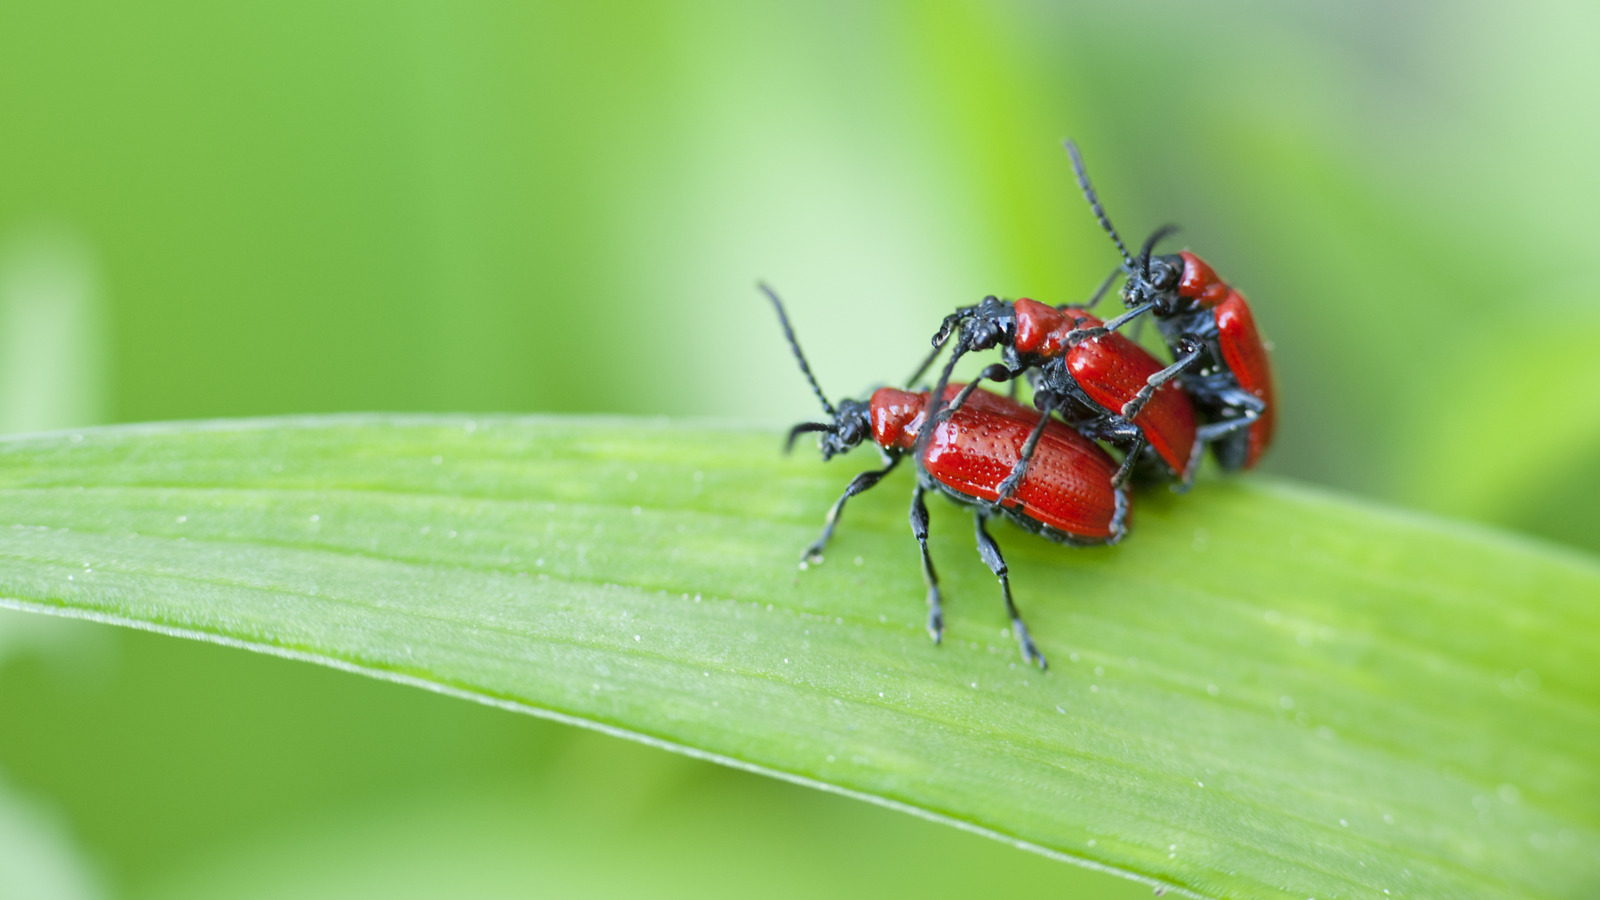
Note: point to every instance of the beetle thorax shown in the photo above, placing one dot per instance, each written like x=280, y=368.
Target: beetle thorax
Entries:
x=897, y=417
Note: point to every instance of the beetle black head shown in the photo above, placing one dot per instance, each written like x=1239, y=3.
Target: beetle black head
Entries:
x=1152, y=282
x=852, y=424
x=992, y=323
x=851, y=420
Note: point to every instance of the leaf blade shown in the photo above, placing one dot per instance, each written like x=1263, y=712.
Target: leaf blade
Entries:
x=1263, y=692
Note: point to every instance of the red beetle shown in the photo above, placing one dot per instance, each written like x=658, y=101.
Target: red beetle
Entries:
x=1100, y=382
x=1067, y=494
x=1231, y=379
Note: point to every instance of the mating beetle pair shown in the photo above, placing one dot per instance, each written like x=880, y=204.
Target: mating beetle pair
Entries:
x=1041, y=468
x=1113, y=389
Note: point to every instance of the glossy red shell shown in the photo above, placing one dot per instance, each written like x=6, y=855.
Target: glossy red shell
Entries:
x=1068, y=484
x=1041, y=330
x=1113, y=369
x=1243, y=351
x=1200, y=282
x=1246, y=356
x=896, y=417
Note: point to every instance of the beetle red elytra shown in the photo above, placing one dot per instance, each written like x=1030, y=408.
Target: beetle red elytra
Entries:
x=1230, y=380
x=1099, y=381
x=1067, y=495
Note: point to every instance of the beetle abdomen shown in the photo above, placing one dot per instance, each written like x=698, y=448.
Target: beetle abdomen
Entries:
x=1068, y=483
x=1112, y=369
x=1246, y=356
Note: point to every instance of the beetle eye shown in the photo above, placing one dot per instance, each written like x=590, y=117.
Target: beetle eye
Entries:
x=1162, y=276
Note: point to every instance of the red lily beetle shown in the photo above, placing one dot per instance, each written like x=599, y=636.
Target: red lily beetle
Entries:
x=1067, y=495
x=1231, y=381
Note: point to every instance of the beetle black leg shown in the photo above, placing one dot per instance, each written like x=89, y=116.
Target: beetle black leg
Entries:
x=935, y=400
x=1226, y=435
x=1020, y=469
x=919, y=529
x=1249, y=406
x=990, y=551
x=1138, y=330
x=995, y=373
x=1192, y=349
x=1216, y=431
x=938, y=348
x=1128, y=461
x=1121, y=320
x=1220, y=430
x=813, y=553
x=1247, y=403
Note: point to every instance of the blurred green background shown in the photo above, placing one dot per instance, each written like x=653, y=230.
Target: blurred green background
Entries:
x=254, y=209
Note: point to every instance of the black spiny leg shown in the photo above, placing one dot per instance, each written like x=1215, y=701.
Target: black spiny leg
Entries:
x=995, y=373
x=813, y=553
x=1138, y=330
x=1222, y=433
x=1191, y=350
x=919, y=529
x=1128, y=461
x=1250, y=409
x=1020, y=469
x=1119, y=321
x=990, y=551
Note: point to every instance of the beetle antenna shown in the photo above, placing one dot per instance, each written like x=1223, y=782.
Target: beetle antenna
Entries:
x=802, y=428
x=1094, y=201
x=1164, y=231
x=805, y=368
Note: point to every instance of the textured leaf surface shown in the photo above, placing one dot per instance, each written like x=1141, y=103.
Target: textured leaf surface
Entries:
x=1264, y=692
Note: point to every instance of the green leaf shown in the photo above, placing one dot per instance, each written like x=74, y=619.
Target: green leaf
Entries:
x=1264, y=692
